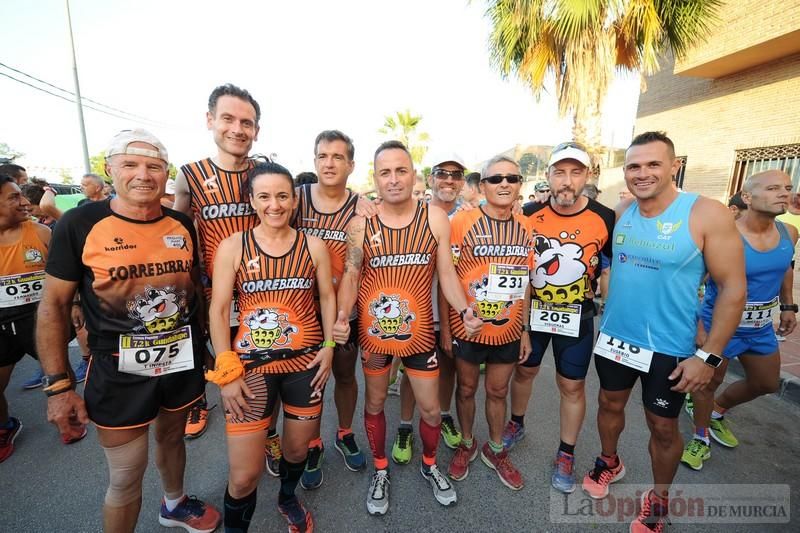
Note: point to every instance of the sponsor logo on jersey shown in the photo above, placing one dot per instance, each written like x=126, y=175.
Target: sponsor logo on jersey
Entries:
x=175, y=241
x=32, y=256
x=399, y=260
x=666, y=229
x=148, y=270
x=234, y=209
x=278, y=284
x=119, y=245
x=325, y=234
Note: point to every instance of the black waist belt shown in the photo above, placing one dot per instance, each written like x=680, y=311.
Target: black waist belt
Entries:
x=257, y=358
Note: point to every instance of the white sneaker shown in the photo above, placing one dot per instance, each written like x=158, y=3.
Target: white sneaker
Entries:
x=378, y=496
x=443, y=491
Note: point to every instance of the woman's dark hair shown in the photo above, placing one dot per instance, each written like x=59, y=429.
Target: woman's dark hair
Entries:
x=265, y=168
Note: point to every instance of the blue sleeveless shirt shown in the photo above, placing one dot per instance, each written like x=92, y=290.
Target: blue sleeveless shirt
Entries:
x=655, y=273
x=765, y=272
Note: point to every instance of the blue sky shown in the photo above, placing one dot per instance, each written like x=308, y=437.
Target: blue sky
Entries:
x=312, y=65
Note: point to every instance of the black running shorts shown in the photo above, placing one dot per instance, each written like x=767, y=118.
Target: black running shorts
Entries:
x=477, y=353
x=572, y=354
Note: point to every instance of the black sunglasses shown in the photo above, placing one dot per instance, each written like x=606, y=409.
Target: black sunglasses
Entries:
x=497, y=179
x=441, y=174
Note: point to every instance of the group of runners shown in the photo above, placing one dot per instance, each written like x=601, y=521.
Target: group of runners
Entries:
x=266, y=289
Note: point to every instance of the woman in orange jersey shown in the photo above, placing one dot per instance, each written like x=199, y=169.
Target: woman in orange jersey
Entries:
x=280, y=350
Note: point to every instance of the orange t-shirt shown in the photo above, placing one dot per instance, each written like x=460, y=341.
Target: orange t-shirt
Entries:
x=22, y=274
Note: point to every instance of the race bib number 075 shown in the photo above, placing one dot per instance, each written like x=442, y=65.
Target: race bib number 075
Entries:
x=156, y=354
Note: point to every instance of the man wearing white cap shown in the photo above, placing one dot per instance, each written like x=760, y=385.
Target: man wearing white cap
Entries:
x=570, y=232
x=446, y=181
x=134, y=267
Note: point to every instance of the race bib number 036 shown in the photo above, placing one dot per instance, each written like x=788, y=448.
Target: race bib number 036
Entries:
x=756, y=315
x=561, y=319
x=623, y=353
x=506, y=282
x=21, y=289
x=156, y=354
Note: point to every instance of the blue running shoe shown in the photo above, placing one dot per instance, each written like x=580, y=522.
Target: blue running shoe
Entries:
x=563, y=478
x=312, y=475
x=36, y=380
x=512, y=434
x=296, y=516
x=80, y=371
x=192, y=515
x=353, y=456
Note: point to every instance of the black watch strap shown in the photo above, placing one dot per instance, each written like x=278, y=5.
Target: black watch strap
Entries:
x=52, y=378
x=790, y=307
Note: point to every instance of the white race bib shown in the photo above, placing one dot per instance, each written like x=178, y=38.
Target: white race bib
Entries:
x=506, y=282
x=156, y=354
x=21, y=289
x=561, y=319
x=758, y=314
x=235, y=313
x=623, y=353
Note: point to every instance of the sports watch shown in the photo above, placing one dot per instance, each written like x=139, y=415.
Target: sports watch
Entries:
x=790, y=307
x=709, y=358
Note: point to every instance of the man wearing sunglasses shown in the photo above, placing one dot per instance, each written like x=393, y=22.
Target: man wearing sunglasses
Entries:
x=541, y=192
x=446, y=181
x=570, y=232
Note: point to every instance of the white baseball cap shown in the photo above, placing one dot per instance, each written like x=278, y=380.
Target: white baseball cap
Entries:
x=120, y=144
x=570, y=151
x=441, y=158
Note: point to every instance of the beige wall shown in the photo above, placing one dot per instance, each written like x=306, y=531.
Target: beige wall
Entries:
x=708, y=119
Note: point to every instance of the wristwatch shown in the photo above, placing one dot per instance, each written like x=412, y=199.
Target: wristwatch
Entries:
x=709, y=358
x=790, y=307
x=48, y=380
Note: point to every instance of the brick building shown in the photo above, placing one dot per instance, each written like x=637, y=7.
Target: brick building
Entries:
x=732, y=107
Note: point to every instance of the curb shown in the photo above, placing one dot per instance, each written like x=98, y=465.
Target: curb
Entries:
x=788, y=387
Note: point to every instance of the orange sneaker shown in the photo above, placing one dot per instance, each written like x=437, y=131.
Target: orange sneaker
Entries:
x=196, y=420
x=652, y=517
x=192, y=515
x=596, y=482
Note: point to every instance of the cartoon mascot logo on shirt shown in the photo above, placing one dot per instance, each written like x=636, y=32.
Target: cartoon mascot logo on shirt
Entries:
x=392, y=319
x=159, y=310
x=494, y=312
x=268, y=329
x=561, y=274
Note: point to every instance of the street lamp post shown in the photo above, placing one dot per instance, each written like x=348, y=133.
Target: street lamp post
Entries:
x=86, y=165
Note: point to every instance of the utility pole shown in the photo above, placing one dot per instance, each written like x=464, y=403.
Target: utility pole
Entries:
x=78, y=95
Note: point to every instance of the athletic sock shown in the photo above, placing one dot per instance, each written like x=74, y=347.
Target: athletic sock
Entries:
x=375, y=426
x=519, y=419
x=716, y=415
x=701, y=433
x=290, y=475
x=495, y=447
x=566, y=448
x=238, y=512
x=429, y=435
x=341, y=433
x=406, y=424
x=172, y=503
x=468, y=442
x=611, y=460
x=445, y=414
x=315, y=443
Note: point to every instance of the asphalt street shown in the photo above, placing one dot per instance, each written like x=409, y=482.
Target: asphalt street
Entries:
x=46, y=486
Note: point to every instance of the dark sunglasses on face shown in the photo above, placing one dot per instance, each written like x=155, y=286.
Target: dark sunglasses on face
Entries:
x=497, y=179
x=442, y=174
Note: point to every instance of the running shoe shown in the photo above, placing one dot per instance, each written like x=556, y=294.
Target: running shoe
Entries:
x=451, y=436
x=7, y=437
x=596, y=482
x=191, y=514
x=722, y=433
x=689, y=406
x=299, y=520
x=695, y=454
x=563, y=477
x=273, y=454
x=394, y=386
x=35, y=380
x=443, y=490
x=652, y=517
x=81, y=370
x=512, y=434
x=196, y=420
x=353, y=457
x=378, y=495
x=500, y=463
x=403, y=447
x=312, y=475
x=459, y=464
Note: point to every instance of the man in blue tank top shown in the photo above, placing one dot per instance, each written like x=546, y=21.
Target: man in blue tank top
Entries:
x=664, y=242
x=768, y=252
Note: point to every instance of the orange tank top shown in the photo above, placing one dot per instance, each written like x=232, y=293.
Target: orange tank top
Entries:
x=395, y=315
x=276, y=298
x=22, y=273
x=217, y=204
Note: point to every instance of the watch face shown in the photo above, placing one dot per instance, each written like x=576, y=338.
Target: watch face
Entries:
x=714, y=360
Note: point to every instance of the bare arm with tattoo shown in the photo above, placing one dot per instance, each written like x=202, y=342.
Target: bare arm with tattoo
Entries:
x=348, y=286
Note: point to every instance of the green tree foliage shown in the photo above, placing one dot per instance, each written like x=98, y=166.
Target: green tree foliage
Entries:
x=530, y=164
x=582, y=43
x=403, y=126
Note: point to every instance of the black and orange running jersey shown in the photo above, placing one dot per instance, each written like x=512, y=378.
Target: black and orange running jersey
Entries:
x=22, y=274
x=395, y=315
x=276, y=298
x=493, y=259
x=567, y=251
x=133, y=276
x=330, y=227
x=217, y=204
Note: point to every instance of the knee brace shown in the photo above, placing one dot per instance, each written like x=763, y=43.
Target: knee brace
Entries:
x=126, y=466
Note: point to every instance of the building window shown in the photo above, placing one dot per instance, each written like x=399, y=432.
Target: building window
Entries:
x=681, y=175
x=753, y=160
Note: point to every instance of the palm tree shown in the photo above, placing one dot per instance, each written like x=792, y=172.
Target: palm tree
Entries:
x=403, y=127
x=582, y=43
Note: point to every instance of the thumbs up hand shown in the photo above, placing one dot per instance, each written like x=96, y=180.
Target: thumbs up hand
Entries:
x=341, y=329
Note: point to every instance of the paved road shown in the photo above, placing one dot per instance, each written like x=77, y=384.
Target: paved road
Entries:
x=46, y=486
